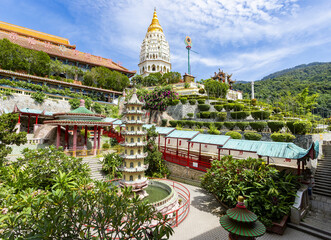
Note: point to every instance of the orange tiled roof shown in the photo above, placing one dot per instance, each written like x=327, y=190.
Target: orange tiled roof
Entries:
x=63, y=52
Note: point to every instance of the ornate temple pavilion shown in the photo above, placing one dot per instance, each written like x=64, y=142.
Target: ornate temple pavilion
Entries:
x=133, y=155
x=71, y=121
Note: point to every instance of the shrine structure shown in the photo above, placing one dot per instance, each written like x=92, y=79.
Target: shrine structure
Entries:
x=223, y=77
x=133, y=167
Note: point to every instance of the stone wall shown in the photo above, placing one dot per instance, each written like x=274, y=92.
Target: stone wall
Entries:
x=180, y=111
x=184, y=172
x=25, y=101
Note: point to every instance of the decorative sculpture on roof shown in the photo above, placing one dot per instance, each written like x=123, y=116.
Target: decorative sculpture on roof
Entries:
x=223, y=77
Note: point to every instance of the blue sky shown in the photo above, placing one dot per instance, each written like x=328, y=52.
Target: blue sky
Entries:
x=248, y=38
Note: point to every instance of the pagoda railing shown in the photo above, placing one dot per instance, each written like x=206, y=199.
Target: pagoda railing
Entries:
x=136, y=169
x=133, y=121
x=134, y=132
x=135, y=156
x=133, y=112
x=136, y=144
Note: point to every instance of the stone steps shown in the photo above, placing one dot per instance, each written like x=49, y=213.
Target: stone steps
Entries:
x=323, y=174
x=96, y=168
x=311, y=231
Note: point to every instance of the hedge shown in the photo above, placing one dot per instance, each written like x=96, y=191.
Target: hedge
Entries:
x=203, y=107
x=234, y=135
x=173, y=123
x=282, y=137
x=228, y=107
x=192, y=101
x=238, y=107
x=219, y=125
x=221, y=116
x=207, y=124
x=260, y=115
x=201, y=101
x=175, y=102
x=201, y=91
x=242, y=125
x=213, y=114
x=218, y=107
x=239, y=115
x=276, y=109
x=252, y=136
x=230, y=125
x=216, y=103
x=199, y=124
x=258, y=126
x=183, y=100
x=190, y=115
x=299, y=127
x=164, y=122
x=198, y=115
x=205, y=114
x=276, y=126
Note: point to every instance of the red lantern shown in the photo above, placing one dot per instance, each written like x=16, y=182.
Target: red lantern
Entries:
x=180, y=142
x=168, y=141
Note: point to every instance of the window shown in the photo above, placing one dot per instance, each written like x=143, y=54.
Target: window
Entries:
x=124, y=164
x=138, y=118
x=126, y=152
x=138, y=139
x=131, y=140
x=132, y=117
x=139, y=177
x=131, y=152
x=131, y=164
x=132, y=108
x=124, y=177
x=132, y=128
x=153, y=67
x=131, y=178
x=139, y=164
x=138, y=128
x=139, y=151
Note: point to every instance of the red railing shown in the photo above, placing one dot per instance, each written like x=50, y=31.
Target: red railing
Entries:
x=115, y=135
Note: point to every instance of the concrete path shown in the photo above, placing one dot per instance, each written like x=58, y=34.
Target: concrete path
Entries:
x=202, y=223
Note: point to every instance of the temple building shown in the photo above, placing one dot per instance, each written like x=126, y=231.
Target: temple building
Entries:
x=155, y=51
x=133, y=155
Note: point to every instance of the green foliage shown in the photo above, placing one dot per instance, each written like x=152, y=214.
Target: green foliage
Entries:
x=190, y=115
x=221, y=116
x=276, y=109
x=302, y=127
x=215, y=88
x=260, y=115
x=242, y=125
x=105, y=146
x=186, y=85
x=199, y=124
x=203, y=107
x=252, y=136
x=39, y=97
x=233, y=135
x=282, y=137
x=201, y=91
x=207, y=124
x=230, y=125
x=8, y=135
x=238, y=107
x=171, y=77
x=268, y=193
x=192, y=101
x=97, y=107
x=183, y=100
x=110, y=163
x=228, y=107
x=253, y=102
x=198, y=115
x=213, y=114
x=173, y=123
x=164, y=122
x=213, y=130
x=219, y=125
x=218, y=107
x=205, y=114
x=82, y=133
x=201, y=101
x=258, y=126
x=275, y=126
x=240, y=115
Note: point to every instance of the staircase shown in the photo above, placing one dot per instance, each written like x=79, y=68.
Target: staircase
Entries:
x=96, y=168
x=323, y=173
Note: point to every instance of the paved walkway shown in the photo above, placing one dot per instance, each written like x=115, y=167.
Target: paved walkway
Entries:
x=202, y=223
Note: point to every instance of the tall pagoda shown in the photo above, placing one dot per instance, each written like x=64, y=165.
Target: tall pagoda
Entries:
x=133, y=155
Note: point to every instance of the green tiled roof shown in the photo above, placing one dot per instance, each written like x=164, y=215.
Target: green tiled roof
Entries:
x=160, y=130
x=109, y=119
x=82, y=110
x=210, y=139
x=182, y=134
x=117, y=122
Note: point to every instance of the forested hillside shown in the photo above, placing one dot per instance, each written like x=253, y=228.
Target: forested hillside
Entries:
x=315, y=76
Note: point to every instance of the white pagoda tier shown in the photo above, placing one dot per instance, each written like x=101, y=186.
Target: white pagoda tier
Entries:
x=133, y=167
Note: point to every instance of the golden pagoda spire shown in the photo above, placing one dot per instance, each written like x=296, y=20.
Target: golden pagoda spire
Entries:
x=155, y=25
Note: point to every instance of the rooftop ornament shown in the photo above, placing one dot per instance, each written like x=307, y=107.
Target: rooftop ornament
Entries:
x=242, y=223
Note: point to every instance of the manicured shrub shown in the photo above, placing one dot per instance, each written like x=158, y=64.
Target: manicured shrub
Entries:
x=190, y=115
x=277, y=116
x=275, y=126
x=258, y=126
x=173, y=123
x=174, y=102
x=252, y=136
x=219, y=125
x=290, y=126
x=260, y=115
x=242, y=125
x=181, y=122
x=253, y=102
x=190, y=123
x=205, y=114
x=203, y=107
x=183, y=100
x=201, y=91
x=230, y=125
x=234, y=135
x=216, y=103
x=230, y=101
x=282, y=137
x=213, y=114
x=207, y=124
x=276, y=109
x=192, y=101
x=239, y=115
x=218, y=107
x=199, y=124
x=221, y=116
x=238, y=107
x=302, y=127
x=198, y=115
x=105, y=146
x=213, y=130
x=228, y=107
x=201, y=101
x=164, y=122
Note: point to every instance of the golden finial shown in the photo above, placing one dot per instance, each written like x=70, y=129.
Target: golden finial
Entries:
x=240, y=199
x=155, y=25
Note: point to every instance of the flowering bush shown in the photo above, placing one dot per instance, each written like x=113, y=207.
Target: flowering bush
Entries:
x=159, y=98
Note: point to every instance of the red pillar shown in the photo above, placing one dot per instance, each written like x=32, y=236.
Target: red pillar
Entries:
x=95, y=139
x=85, y=143
x=188, y=153
x=219, y=154
x=36, y=119
x=29, y=123
x=66, y=138
x=19, y=118
x=58, y=135
x=177, y=148
x=158, y=145
x=99, y=138
x=74, y=147
x=165, y=144
x=200, y=152
x=268, y=160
